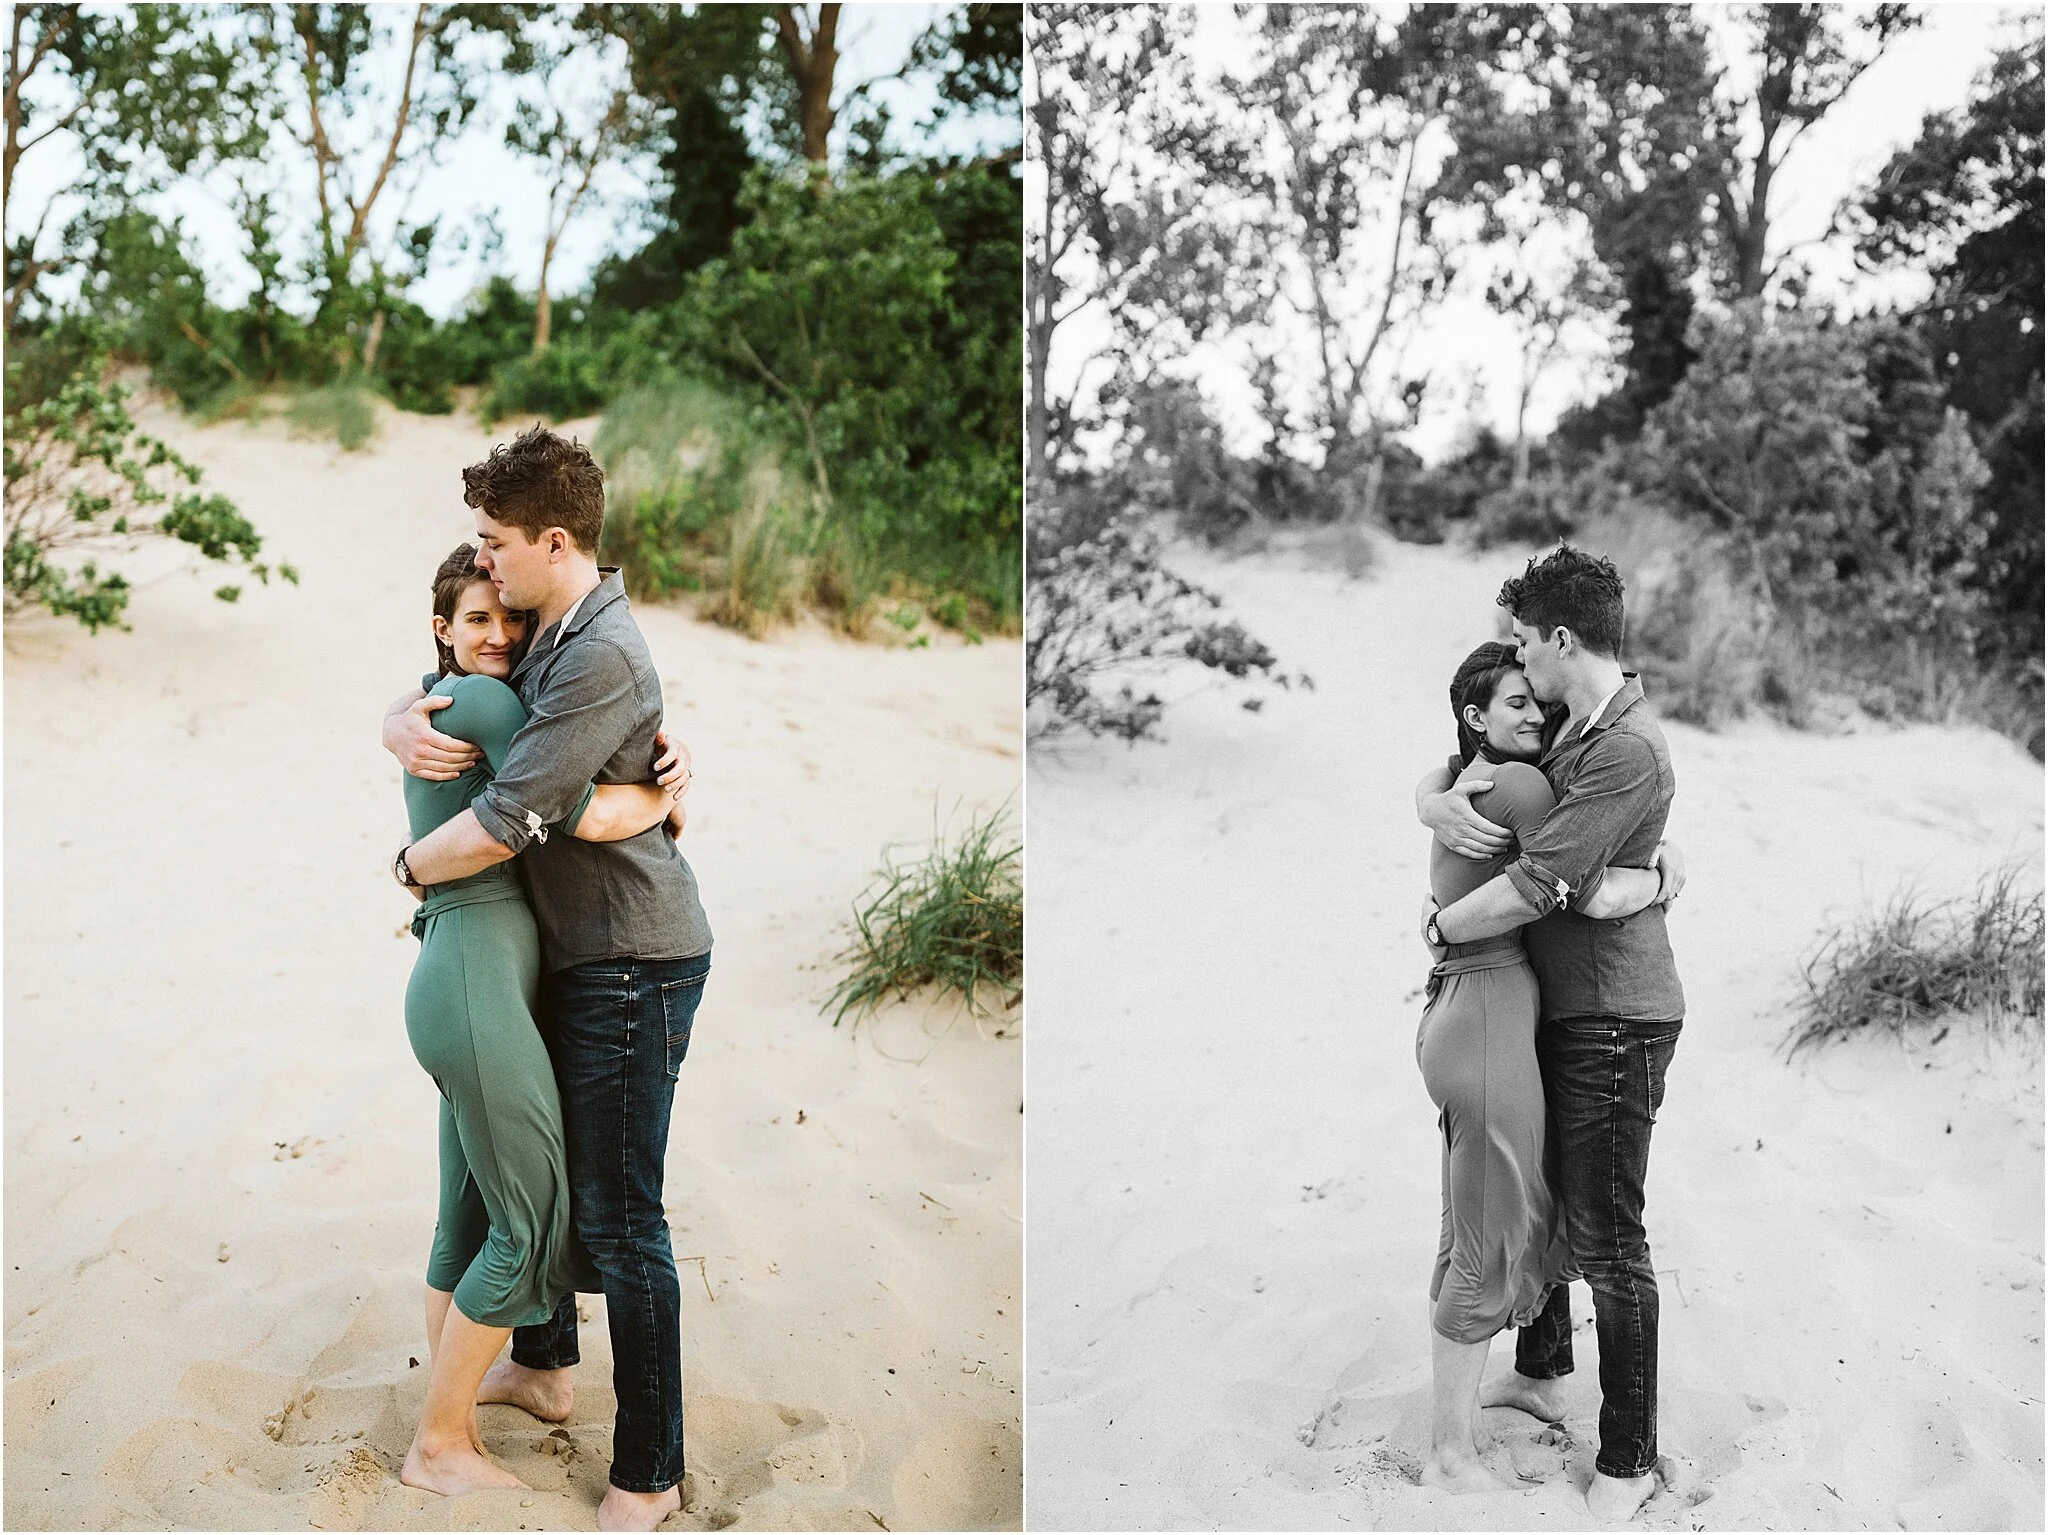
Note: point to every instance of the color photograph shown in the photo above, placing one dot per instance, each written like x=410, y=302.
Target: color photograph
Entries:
x=513, y=763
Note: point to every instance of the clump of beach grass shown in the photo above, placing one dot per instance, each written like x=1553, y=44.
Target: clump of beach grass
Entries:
x=342, y=410
x=1917, y=961
x=951, y=919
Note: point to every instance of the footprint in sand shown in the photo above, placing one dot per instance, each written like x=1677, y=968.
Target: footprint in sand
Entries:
x=742, y=1450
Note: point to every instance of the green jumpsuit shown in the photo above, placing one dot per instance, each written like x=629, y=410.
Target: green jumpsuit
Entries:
x=503, y=1242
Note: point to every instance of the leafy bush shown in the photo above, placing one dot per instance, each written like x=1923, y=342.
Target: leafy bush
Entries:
x=1107, y=604
x=569, y=379
x=1825, y=453
x=1917, y=962
x=81, y=475
x=953, y=919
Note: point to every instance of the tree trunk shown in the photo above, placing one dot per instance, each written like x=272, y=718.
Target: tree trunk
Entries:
x=544, y=308
x=372, y=341
x=812, y=61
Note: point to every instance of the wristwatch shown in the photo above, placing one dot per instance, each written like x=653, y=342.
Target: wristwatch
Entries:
x=1429, y=929
x=398, y=867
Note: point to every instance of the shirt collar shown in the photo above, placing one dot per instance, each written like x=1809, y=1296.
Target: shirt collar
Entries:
x=610, y=585
x=1629, y=690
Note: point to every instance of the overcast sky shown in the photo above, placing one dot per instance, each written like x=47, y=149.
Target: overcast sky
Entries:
x=1472, y=355
x=478, y=178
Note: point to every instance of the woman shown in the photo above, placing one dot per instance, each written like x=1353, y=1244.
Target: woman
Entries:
x=1503, y=1245
x=504, y=1251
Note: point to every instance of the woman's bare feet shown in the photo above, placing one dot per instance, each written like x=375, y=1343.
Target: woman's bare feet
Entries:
x=547, y=1394
x=1460, y=1474
x=623, y=1510
x=453, y=1471
x=1539, y=1398
x=1613, y=1500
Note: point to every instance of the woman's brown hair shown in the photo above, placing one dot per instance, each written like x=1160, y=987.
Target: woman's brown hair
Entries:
x=1477, y=679
x=450, y=582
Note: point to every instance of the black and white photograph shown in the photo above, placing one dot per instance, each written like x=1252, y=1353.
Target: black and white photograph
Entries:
x=1534, y=696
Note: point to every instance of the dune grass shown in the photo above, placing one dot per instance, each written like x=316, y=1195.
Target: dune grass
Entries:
x=1916, y=962
x=343, y=410
x=953, y=919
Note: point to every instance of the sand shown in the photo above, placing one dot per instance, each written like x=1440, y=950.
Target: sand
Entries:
x=220, y=1152
x=1233, y=1198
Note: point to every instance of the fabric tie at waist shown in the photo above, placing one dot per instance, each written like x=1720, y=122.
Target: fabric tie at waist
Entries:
x=448, y=897
x=1504, y=958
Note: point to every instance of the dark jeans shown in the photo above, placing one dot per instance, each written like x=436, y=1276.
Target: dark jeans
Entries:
x=1603, y=1080
x=617, y=1030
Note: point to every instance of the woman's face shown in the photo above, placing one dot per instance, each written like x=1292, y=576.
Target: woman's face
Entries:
x=1513, y=723
x=484, y=632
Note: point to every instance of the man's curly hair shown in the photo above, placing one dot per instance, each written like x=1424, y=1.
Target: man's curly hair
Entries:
x=540, y=480
x=1571, y=587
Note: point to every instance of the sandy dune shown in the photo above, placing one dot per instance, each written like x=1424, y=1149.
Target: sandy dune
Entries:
x=219, y=1150
x=1233, y=1196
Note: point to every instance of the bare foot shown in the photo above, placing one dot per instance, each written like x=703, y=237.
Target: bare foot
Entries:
x=1615, y=1501
x=1457, y=1473
x=547, y=1394
x=476, y=1436
x=1539, y=1398
x=453, y=1471
x=623, y=1510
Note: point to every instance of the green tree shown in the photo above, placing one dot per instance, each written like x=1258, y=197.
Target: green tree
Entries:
x=144, y=91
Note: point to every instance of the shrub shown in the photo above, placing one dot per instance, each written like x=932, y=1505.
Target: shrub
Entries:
x=1108, y=604
x=1917, y=962
x=953, y=919
x=80, y=475
x=567, y=380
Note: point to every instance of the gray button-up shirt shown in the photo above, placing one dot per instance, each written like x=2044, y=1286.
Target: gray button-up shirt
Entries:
x=1614, y=784
x=593, y=704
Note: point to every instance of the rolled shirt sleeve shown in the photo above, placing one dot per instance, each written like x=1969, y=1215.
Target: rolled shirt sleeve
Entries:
x=581, y=717
x=1614, y=789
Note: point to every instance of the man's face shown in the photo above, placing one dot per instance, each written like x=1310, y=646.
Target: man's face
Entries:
x=1540, y=661
x=518, y=566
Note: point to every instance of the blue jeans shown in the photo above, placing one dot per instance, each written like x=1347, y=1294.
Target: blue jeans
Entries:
x=617, y=1031
x=1603, y=1080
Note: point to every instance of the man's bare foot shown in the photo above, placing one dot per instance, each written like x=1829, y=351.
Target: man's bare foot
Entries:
x=1460, y=1474
x=476, y=1435
x=1615, y=1501
x=547, y=1394
x=623, y=1510
x=453, y=1471
x=1539, y=1398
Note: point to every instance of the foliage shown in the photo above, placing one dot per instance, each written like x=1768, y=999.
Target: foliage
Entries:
x=1105, y=604
x=1964, y=201
x=146, y=92
x=81, y=475
x=835, y=317
x=953, y=920
x=1917, y=962
x=1825, y=454
x=342, y=410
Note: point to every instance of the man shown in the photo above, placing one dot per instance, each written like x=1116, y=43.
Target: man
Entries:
x=625, y=947
x=1611, y=1002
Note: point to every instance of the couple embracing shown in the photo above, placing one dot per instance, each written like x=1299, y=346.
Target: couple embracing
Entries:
x=1554, y=1010
x=563, y=954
